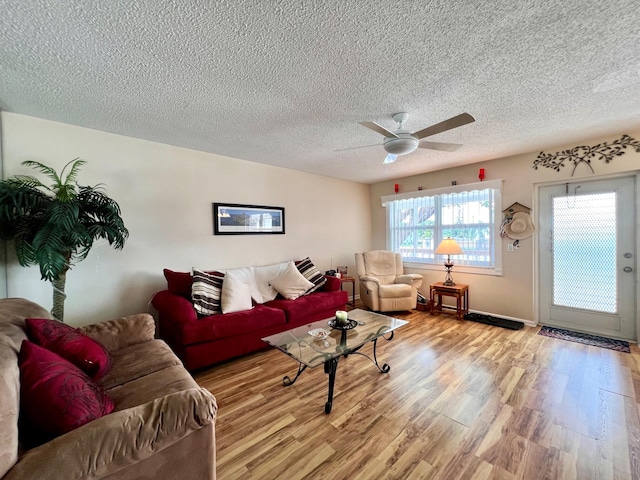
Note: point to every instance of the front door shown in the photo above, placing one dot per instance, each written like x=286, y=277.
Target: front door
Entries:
x=587, y=257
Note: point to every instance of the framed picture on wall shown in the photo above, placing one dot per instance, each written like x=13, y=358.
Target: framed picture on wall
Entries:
x=237, y=219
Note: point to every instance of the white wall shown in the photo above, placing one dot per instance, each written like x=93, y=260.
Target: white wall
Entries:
x=165, y=194
x=511, y=294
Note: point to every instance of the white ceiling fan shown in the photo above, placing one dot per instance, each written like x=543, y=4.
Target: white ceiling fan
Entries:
x=403, y=142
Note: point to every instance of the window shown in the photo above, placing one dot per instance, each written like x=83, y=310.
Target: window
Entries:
x=418, y=221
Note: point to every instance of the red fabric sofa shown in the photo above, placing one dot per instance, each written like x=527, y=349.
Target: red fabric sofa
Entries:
x=204, y=341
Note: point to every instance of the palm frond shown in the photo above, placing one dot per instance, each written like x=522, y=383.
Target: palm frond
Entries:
x=27, y=181
x=24, y=250
x=101, y=215
x=48, y=171
x=64, y=215
x=116, y=235
x=51, y=252
x=82, y=250
x=67, y=193
x=82, y=240
x=72, y=177
x=20, y=204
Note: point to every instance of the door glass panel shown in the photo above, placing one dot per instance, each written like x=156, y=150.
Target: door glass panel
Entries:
x=584, y=252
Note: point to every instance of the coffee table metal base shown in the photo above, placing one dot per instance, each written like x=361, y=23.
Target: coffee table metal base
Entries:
x=331, y=367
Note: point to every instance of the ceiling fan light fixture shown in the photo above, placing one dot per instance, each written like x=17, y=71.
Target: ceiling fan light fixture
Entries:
x=390, y=158
x=401, y=146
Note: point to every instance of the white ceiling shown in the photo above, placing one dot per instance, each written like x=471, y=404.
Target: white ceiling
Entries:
x=285, y=82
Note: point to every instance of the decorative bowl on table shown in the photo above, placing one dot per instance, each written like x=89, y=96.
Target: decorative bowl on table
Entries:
x=341, y=325
x=320, y=333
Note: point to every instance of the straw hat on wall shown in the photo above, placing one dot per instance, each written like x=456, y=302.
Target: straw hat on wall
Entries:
x=520, y=226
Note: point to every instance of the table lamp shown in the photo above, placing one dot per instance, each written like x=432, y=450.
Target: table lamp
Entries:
x=448, y=247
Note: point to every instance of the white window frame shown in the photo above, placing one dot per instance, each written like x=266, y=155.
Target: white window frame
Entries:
x=496, y=185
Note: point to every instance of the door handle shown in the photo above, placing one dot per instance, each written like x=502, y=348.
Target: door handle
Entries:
x=628, y=269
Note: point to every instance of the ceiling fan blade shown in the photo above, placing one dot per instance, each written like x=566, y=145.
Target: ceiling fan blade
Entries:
x=445, y=147
x=390, y=158
x=377, y=128
x=353, y=148
x=453, y=122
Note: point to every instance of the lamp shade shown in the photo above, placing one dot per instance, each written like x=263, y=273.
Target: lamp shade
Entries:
x=448, y=246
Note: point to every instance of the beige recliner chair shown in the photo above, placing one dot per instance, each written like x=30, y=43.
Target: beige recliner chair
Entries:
x=384, y=287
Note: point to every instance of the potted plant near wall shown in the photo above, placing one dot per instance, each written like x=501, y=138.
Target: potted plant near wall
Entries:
x=54, y=226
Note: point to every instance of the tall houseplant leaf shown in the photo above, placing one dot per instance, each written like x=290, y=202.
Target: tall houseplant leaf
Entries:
x=54, y=226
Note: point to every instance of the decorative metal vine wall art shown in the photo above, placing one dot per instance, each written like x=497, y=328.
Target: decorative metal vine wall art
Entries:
x=584, y=154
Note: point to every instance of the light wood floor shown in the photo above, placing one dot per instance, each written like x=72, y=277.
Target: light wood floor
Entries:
x=462, y=400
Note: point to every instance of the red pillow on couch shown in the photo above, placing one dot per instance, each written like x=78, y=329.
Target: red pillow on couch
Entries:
x=56, y=395
x=178, y=283
x=83, y=351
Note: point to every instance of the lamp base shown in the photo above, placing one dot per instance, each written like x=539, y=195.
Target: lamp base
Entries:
x=448, y=279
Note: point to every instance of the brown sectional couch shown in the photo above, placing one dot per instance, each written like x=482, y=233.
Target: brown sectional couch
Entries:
x=163, y=425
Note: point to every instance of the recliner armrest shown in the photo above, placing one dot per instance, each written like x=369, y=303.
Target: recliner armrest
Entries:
x=122, y=332
x=368, y=278
x=409, y=278
x=105, y=446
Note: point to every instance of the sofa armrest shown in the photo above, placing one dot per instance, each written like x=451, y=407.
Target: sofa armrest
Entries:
x=332, y=284
x=109, y=444
x=173, y=312
x=409, y=279
x=174, y=307
x=122, y=332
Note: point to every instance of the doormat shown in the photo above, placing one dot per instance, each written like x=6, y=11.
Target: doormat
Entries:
x=495, y=321
x=586, y=339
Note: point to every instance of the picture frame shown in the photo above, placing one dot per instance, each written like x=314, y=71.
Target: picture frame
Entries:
x=240, y=219
x=342, y=271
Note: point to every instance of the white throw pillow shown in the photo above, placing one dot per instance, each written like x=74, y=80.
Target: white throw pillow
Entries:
x=290, y=283
x=245, y=275
x=263, y=276
x=236, y=294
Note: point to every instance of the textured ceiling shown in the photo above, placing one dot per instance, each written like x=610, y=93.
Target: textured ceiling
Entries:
x=286, y=82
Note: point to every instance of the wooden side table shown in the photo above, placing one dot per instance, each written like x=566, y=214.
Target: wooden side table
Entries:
x=459, y=291
x=352, y=281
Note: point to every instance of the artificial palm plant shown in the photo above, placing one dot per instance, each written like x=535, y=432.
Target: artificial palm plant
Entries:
x=54, y=226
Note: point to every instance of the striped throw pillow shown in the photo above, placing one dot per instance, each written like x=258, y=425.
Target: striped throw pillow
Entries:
x=205, y=292
x=311, y=273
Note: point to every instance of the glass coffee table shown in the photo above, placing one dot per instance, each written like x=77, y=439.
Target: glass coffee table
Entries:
x=309, y=346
